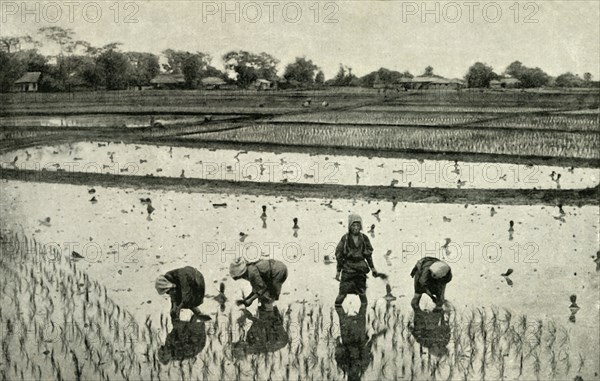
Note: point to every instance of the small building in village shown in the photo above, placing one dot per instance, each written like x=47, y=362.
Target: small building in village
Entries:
x=29, y=82
x=168, y=81
x=263, y=84
x=505, y=83
x=431, y=83
x=212, y=82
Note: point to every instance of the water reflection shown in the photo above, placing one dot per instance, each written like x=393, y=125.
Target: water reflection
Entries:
x=353, y=349
x=185, y=341
x=192, y=162
x=266, y=334
x=432, y=331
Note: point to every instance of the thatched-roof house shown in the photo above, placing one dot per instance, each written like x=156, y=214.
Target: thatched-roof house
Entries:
x=212, y=82
x=29, y=82
x=168, y=81
x=505, y=83
x=511, y=83
x=426, y=83
x=262, y=84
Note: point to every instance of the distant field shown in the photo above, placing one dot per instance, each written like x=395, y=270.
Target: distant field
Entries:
x=239, y=102
x=294, y=99
x=501, y=123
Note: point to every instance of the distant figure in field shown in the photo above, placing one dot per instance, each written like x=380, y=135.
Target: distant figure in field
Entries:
x=431, y=276
x=354, y=261
x=186, y=288
x=266, y=277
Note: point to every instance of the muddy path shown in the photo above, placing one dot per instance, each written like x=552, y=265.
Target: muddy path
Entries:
x=381, y=193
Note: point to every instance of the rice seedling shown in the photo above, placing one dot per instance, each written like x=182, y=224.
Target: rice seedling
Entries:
x=537, y=364
x=581, y=363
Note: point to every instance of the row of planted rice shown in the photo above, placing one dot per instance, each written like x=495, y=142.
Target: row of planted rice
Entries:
x=99, y=339
x=587, y=111
x=449, y=108
x=430, y=139
x=583, y=122
x=560, y=122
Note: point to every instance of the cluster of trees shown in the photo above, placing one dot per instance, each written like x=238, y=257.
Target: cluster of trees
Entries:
x=481, y=74
x=78, y=64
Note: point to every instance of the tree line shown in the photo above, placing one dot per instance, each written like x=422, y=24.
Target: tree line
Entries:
x=79, y=65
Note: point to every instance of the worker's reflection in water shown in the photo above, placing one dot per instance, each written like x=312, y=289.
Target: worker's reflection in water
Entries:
x=353, y=349
x=431, y=331
x=266, y=334
x=185, y=341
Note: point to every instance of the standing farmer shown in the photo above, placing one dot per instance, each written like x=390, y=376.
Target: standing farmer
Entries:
x=354, y=261
x=186, y=288
x=431, y=276
x=266, y=277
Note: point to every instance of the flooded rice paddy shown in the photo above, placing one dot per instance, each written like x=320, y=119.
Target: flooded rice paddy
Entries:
x=517, y=327
x=257, y=166
x=108, y=120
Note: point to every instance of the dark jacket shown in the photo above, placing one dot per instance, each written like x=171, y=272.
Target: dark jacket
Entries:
x=352, y=258
x=189, y=282
x=424, y=280
x=266, y=277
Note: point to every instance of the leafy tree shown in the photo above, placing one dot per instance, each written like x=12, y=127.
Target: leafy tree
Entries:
x=144, y=67
x=515, y=69
x=177, y=58
x=250, y=66
x=8, y=71
x=529, y=77
x=320, y=77
x=480, y=75
x=569, y=80
x=113, y=69
x=63, y=37
x=535, y=77
x=31, y=60
x=383, y=76
x=10, y=44
x=211, y=71
x=302, y=70
x=344, y=77
x=190, y=67
x=14, y=65
x=587, y=77
x=90, y=73
x=339, y=77
x=428, y=72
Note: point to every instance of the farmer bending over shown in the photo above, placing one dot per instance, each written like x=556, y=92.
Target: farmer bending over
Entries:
x=266, y=277
x=354, y=261
x=186, y=288
x=431, y=276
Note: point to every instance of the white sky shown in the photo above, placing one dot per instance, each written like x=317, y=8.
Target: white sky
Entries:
x=366, y=36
